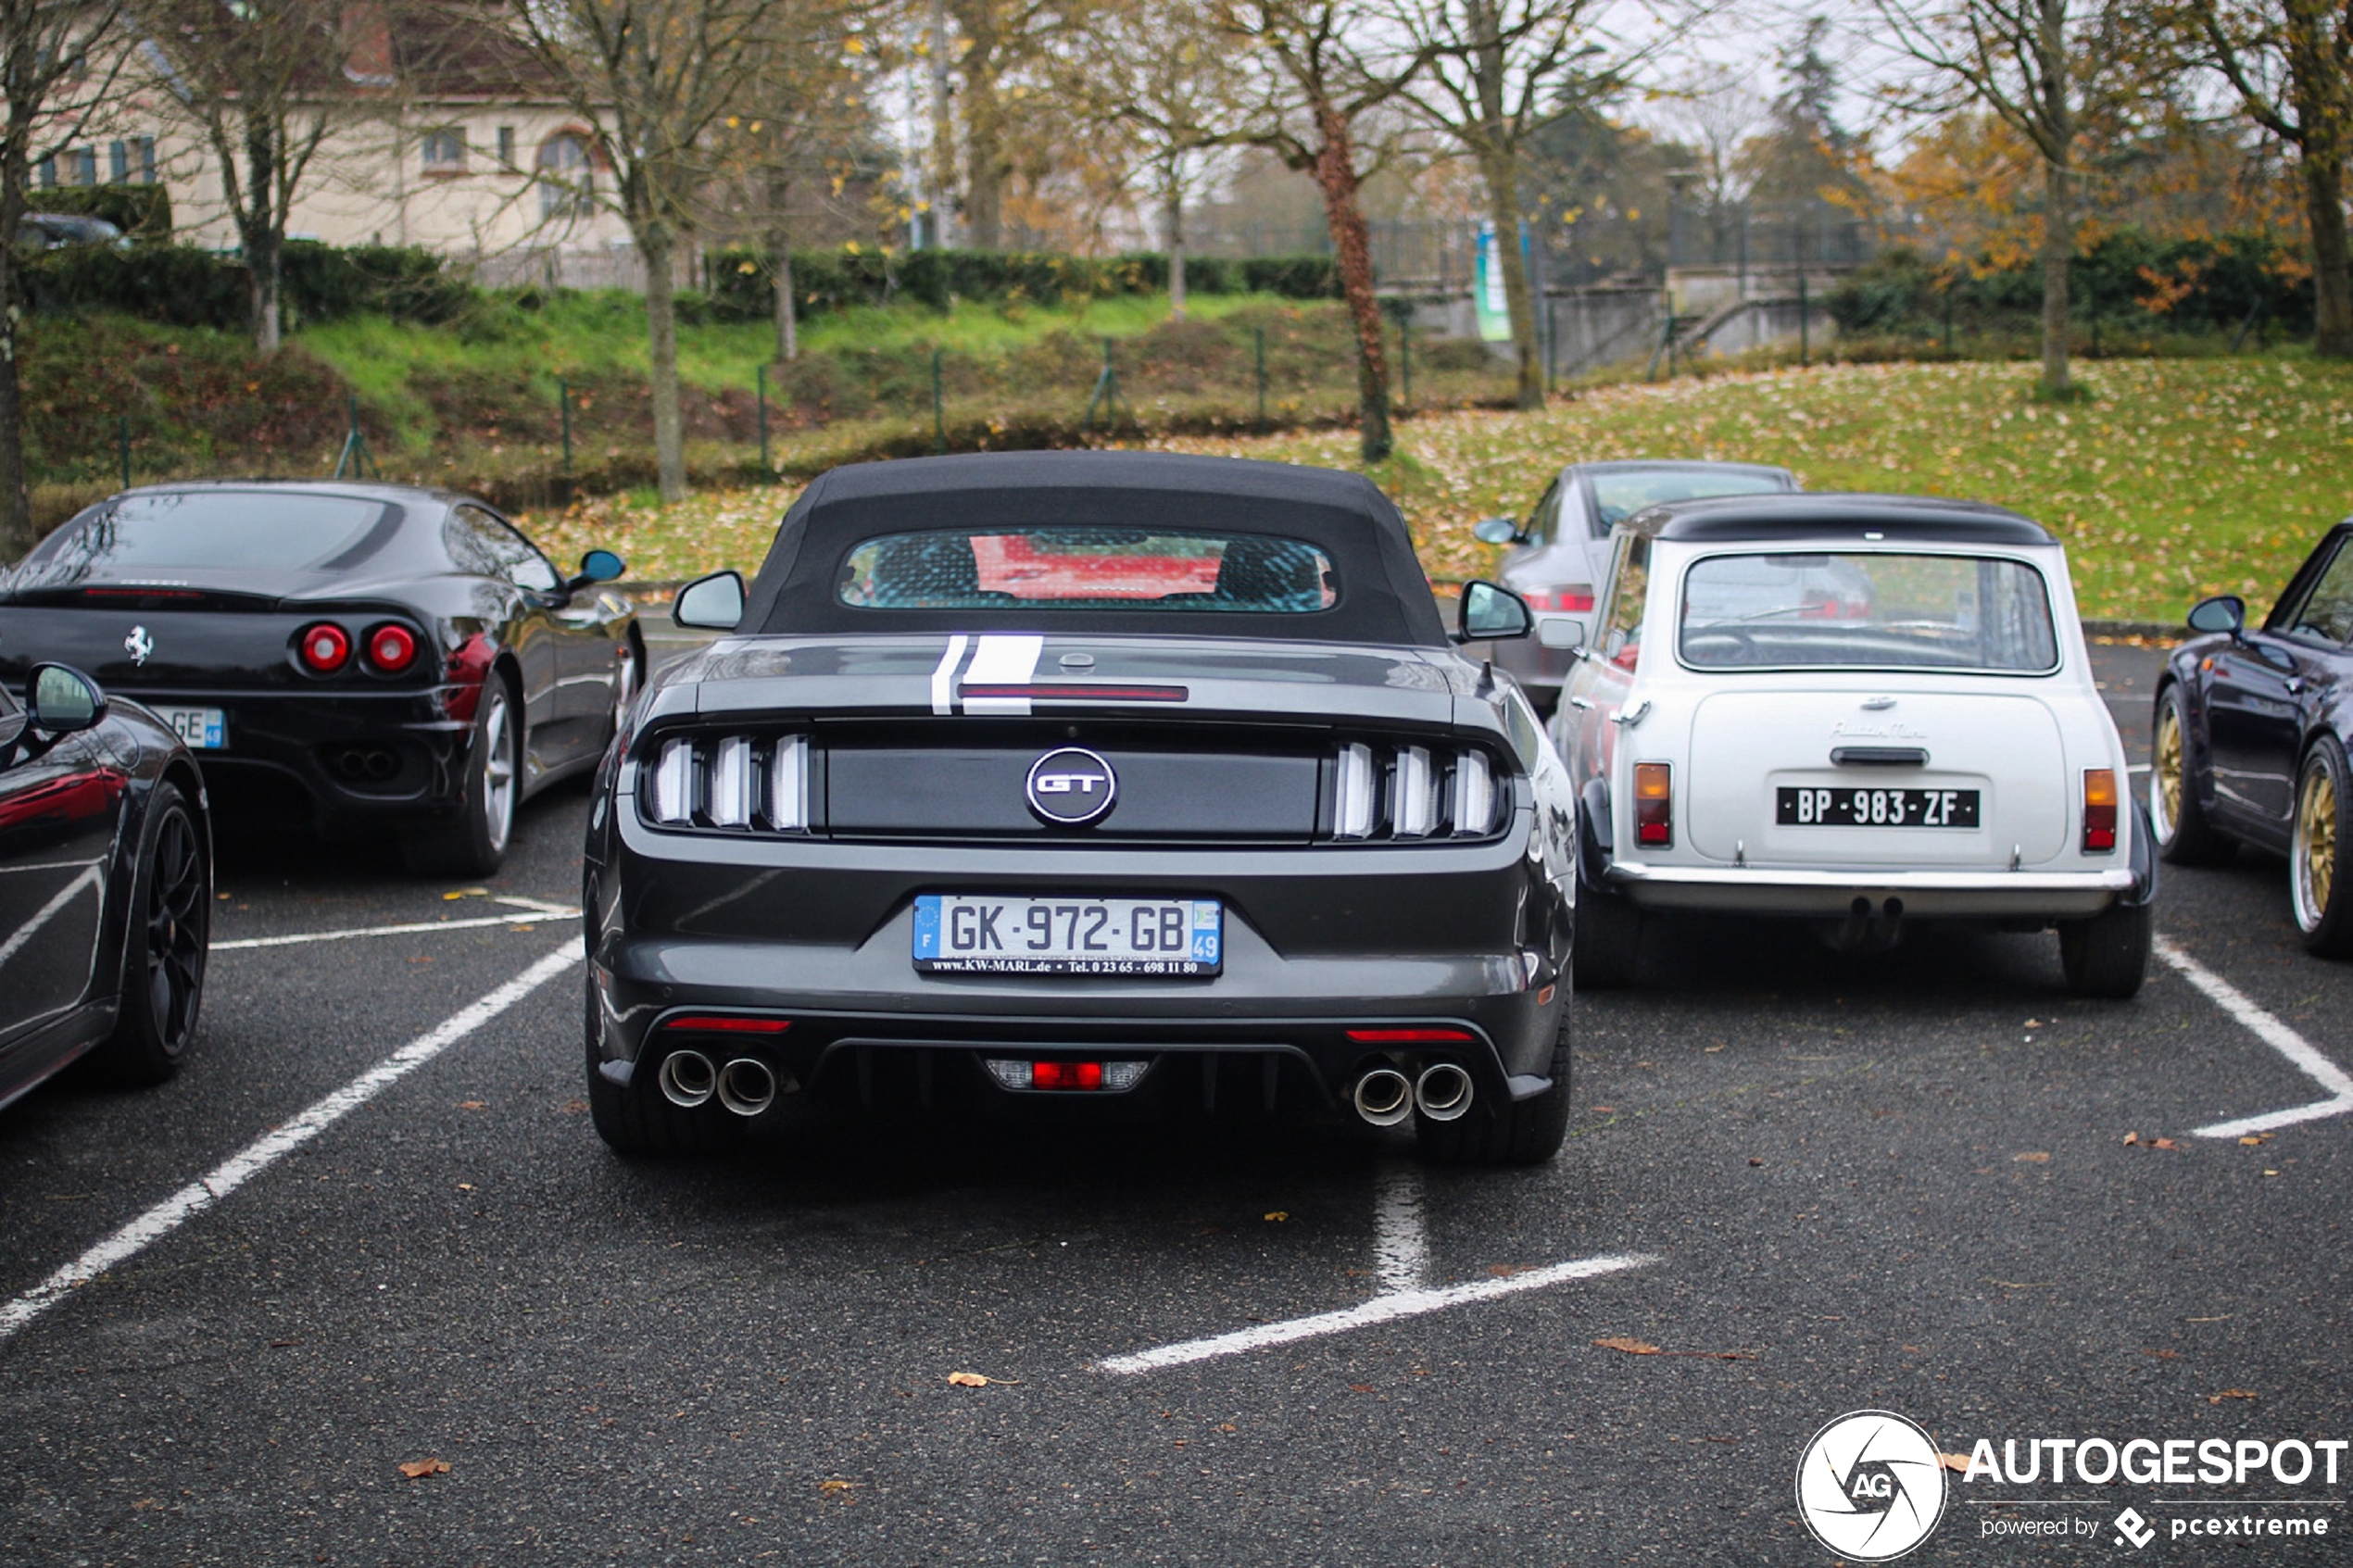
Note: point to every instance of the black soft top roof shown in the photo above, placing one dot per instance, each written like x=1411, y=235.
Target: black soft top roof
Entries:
x=1926, y=518
x=1383, y=595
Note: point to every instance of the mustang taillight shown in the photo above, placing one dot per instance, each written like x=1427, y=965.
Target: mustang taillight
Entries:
x=325, y=649
x=392, y=648
x=1654, y=805
x=2100, y=810
x=750, y=782
x=1572, y=598
x=1413, y=792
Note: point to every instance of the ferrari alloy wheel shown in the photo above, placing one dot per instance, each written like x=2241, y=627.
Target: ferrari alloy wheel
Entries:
x=2315, y=869
x=474, y=842
x=2177, y=819
x=163, y=959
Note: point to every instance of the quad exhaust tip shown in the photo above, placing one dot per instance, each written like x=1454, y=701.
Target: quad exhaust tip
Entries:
x=747, y=1085
x=1384, y=1097
x=687, y=1079
x=1443, y=1092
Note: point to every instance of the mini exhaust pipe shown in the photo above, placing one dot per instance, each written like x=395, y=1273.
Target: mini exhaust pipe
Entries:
x=1443, y=1092
x=687, y=1079
x=1384, y=1097
x=747, y=1085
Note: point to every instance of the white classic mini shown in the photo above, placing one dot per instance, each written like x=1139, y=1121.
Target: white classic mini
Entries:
x=1864, y=710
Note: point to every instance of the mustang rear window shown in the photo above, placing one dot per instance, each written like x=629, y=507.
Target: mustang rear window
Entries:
x=236, y=529
x=1867, y=612
x=1088, y=568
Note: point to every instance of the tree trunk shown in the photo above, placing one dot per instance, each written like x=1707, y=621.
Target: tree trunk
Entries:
x=780, y=266
x=1175, y=218
x=985, y=164
x=2332, y=270
x=1335, y=175
x=264, y=239
x=2317, y=80
x=1502, y=172
x=16, y=503
x=656, y=245
x=2058, y=254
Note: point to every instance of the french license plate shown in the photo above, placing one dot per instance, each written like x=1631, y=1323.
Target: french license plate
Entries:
x=1876, y=808
x=986, y=934
x=199, y=729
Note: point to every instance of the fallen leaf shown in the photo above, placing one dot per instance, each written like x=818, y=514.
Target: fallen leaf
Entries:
x=2230, y=1393
x=2252, y=1139
x=2033, y=1157
x=1228, y=1426
x=1605, y=1110
x=2164, y=1355
x=2034, y=1024
x=142, y=1504
x=1958, y=1463
x=1506, y=1271
x=2271, y=1172
x=1753, y=1161
x=1631, y=1347
x=1280, y=1215
x=470, y=1105
x=418, y=1469
x=572, y=1107
x=973, y=1380
x=465, y=1187
x=1360, y=1388
x=2132, y=1138
x=2166, y=1143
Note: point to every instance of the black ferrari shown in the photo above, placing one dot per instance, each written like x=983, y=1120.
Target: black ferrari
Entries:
x=2251, y=733
x=369, y=658
x=105, y=885
x=1112, y=782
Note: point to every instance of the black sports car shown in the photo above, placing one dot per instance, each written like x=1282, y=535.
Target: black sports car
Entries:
x=105, y=885
x=371, y=657
x=2251, y=734
x=1107, y=778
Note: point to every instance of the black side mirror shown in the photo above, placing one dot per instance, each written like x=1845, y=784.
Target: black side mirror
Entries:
x=714, y=603
x=1497, y=530
x=2223, y=612
x=597, y=566
x=1490, y=613
x=60, y=700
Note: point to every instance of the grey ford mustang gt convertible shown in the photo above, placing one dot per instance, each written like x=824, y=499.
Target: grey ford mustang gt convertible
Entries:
x=1088, y=780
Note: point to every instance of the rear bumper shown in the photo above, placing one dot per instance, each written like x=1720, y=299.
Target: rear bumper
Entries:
x=1928, y=895
x=361, y=755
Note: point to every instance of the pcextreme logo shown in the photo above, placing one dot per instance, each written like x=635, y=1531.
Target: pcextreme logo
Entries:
x=1870, y=1487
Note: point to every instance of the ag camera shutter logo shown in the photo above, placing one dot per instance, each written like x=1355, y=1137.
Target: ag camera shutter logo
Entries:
x=1870, y=1486
x=1070, y=787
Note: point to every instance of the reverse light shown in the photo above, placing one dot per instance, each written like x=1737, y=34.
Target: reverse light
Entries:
x=323, y=648
x=723, y=1024
x=1417, y=803
x=1654, y=805
x=2100, y=810
x=731, y=781
x=392, y=648
x=1359, y=802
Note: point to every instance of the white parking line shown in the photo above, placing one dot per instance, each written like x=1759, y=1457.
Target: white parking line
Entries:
x=2273, y=1032
x=1400, y=1248
x=273, y=1146
x=530, y=912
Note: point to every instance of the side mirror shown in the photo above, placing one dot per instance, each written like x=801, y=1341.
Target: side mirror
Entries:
x=597, y=566
x=1561, y=631
x=714, y=603
x=1491, y=614
x=60, y=700
x=2224, y=613
x=1498, y=530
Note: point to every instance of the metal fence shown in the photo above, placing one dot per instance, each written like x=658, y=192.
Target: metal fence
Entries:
x=1741, y=234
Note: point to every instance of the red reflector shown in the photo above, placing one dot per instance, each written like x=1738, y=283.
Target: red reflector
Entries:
x=1065, y=1074
x=722, y=1025
x=1407, y=1037
x=392, y=648
x=324, y=647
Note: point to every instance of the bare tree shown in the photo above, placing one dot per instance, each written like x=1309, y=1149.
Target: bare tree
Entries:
x=2043, y=68
x=52, y=80
x=1714, y=111
x=997, y=42
x=1315, y=78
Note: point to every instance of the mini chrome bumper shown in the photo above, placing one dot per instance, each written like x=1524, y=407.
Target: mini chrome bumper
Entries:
x=1921, y=894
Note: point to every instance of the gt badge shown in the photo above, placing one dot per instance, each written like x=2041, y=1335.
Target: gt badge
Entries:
x=1070, y=787
x=139, y=646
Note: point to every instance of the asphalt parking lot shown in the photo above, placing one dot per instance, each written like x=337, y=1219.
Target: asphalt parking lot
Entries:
x=1927, y=1182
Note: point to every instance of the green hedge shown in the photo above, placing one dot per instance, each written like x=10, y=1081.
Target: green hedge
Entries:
x=183, y=286
x=141, y=211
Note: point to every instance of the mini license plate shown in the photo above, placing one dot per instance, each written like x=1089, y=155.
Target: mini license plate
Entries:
x=1876, y=808
x=986, y=934
x=199, y=729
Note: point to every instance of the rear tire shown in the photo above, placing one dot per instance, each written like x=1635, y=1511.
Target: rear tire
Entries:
x=1515, y=1132
x=1605, y=941
x=2184, y=836
x=638, y=1121
x=2316, y=870
x=164, y=948
x=475, y=844
x=2107, y=956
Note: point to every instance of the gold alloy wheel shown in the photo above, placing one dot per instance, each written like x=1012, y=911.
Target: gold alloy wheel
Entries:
x=2168, y=773
x=2316, y=845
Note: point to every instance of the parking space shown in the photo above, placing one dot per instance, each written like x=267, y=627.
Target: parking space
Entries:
x=1797, y=1183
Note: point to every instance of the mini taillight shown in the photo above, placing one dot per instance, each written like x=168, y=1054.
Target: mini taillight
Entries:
x=1572, y=598
x=2100, y=810
x=325, y=649
x=721, y=1023
x=392, y=648
x=1654, y=805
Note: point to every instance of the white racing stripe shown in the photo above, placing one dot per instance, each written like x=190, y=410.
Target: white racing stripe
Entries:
x=1380, y=1309
x=276, y=1144
x=943, y=679
x=2273, y=1032
x=1007, y=660
x=531, y=911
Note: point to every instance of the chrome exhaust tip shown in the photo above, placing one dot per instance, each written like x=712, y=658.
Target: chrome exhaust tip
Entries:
x=1443, y=1092
x=1384, y=1097
x=747, y=1085
x=687, y=1079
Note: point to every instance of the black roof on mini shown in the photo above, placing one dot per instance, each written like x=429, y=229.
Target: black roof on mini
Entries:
x=1928, y=519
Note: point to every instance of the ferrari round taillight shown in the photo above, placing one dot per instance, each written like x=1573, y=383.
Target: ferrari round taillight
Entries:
x=325, y=649
x=392, y=648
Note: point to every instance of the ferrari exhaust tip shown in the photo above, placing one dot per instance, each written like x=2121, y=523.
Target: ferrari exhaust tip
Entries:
x=687, y=1079
x=747, y=1085
x=1443, y=1092
x=1384, y=1097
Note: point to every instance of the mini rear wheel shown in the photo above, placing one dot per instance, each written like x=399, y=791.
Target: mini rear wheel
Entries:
x=1605, y=941
x=2108, y=955
x=2316, y=869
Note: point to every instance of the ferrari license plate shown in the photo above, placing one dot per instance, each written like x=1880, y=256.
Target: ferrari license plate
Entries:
x=199, y=729
x=986, y=934
x=1877, y=807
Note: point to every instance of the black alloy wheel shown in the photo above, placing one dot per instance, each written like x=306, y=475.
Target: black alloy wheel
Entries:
x=164, y=949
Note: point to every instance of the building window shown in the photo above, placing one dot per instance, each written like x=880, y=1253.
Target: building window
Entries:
x=505, y=146
x=445, y=151
x=49, y=173
x=147, y=145
x=85, y=166
x=566, y=177
x=117, y=163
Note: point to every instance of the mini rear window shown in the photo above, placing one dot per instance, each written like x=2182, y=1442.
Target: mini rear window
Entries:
x=1867, y=610
x=235, y=530
x=1088, y=568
